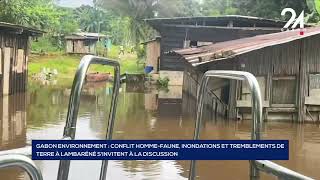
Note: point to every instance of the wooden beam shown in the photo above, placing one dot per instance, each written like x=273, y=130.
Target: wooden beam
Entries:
x=302, y=85
x=232, y=104
x=6, y=70
x=268, y=91
x=1, y=61
x=5, y=135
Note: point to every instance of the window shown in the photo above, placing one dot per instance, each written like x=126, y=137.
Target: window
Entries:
x=314, y=85
x=193, y=43
x=246, y=92
x=86, y=42
x=188, y=43
x=284, y=90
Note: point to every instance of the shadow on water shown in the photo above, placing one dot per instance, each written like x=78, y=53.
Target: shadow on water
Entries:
x=142, y=114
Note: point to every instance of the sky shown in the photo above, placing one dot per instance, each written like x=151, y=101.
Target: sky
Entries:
x=74, y=3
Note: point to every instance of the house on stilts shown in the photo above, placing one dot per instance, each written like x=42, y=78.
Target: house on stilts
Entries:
x=286, y=64
x=186, y=32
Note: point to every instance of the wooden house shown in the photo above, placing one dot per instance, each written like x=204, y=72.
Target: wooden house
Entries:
x=83, y=43
x=14, y=53
x=185, y=32
x=286, y=64
x=177, y=33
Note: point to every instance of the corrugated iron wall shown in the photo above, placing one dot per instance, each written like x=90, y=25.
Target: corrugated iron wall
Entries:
x=311, y=49
x=280, y=60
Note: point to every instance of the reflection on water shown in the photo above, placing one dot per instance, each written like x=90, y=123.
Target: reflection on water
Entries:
x=41, y=114
x=12, y=129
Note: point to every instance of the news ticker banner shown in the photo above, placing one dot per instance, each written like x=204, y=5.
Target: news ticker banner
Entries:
x=160, y=150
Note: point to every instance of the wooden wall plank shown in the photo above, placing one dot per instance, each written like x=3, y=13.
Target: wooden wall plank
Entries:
x=20, y=60
x=69, y=46
x=153, y=55
x=6, y=70
x=5, y=119
x=1, y=61
x=302, y=84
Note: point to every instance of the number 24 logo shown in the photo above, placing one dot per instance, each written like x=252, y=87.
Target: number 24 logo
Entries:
x=293, y=20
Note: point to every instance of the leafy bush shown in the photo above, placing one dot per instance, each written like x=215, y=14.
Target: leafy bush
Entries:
x=163, y=82
x=46, y=45
x=141, y=52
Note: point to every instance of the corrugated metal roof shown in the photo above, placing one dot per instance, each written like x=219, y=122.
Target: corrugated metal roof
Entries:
x=21, y=29
x=224, y=17
x=158, y=38
x=228, y=49
x=89, y=34
x=85, y=35
x=216, y=21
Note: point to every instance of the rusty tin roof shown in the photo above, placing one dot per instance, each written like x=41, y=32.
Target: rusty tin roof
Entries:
x=4, y=26
x=229, y=49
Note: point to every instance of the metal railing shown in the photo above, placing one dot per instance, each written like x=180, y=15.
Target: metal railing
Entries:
x=212, y=93
x=23, y=162
x=257, y=165
x=74, y=102
x=73, y=108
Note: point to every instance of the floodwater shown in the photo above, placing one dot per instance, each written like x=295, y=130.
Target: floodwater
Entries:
x=41, y=114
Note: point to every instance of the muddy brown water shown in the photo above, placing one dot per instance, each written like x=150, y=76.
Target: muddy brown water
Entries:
x=41, y=114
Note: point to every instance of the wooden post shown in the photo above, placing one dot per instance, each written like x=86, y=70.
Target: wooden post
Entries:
x=232, y=104
x=27, y=53
x=20, y=61
x=5, y=119
x=6, y=70
x=14, y=82
x=268, y=93
x=1, y=72
x=302, y=86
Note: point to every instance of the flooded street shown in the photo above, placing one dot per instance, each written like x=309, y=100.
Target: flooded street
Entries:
x=41, y=114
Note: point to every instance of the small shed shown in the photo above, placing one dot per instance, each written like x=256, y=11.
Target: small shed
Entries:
x=83, y=43
x=14, y=52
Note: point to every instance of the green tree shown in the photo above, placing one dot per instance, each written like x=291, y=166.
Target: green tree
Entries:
x=92, y=19
x=67, y=23
x=317, y=5
x=120, y=30
x=135, y=11
x=218, y=7
x=190, y=8
x=37, y=13
x=269, y=9
x=138, y=10
x=314, y=15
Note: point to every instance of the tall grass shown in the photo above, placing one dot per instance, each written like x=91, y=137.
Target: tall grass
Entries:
x=67, y=65
x=46, y=45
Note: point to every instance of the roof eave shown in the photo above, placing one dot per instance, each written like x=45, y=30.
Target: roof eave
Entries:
x=21, y=29
x=211, y=55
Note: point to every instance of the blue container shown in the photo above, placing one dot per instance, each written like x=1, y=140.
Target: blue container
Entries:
x=148, y=69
